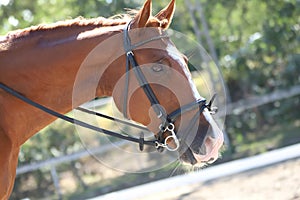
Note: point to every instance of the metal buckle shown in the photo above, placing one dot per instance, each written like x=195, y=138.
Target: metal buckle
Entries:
x=129, y=52
x=173, y=137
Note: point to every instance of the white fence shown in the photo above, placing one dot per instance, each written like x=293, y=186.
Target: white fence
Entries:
x=226, y=169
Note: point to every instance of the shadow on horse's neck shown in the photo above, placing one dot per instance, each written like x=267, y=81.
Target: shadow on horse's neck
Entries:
x=43, y=64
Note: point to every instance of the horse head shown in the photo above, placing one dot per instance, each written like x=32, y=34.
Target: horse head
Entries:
x=165, y=71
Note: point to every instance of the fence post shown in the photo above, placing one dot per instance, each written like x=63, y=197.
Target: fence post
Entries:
x=55, y=179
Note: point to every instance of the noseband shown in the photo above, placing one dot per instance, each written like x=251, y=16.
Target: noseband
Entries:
x=167, y=120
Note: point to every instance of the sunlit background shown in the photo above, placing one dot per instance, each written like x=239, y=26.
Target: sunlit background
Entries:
x=255, y=45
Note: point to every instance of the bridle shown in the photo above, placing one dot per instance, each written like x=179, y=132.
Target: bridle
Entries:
x=167, y=120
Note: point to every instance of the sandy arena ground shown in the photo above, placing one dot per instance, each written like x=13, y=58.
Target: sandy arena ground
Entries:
x=276, y=182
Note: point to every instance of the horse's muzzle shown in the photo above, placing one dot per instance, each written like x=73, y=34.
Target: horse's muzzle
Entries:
x=202, y=147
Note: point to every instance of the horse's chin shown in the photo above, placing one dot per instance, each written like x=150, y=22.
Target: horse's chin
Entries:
x=191, y=158
x=212, y=147
x=188, y=157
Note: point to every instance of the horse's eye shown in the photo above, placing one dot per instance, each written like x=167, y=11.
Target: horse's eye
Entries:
x=157, y=67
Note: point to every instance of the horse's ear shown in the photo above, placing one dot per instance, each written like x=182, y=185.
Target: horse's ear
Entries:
x=143, y=15
x=166, y=15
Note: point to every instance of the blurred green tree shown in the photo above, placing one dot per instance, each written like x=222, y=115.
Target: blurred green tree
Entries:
x=257, y=44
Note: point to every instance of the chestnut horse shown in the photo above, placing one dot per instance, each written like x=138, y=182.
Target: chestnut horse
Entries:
x=43, y=62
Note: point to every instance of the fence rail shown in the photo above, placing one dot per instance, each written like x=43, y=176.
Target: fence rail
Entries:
x=255, y=101
x=67, y=158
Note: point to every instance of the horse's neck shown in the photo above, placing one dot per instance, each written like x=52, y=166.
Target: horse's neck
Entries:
x=48, y=69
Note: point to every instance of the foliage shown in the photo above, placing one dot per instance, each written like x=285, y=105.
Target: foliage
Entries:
x=20, y=14
x=257, y=43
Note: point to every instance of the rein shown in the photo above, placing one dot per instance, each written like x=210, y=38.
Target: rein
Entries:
x=71, y=120
x=167, y=120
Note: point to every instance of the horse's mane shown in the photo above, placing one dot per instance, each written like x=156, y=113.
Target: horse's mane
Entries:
x=77, y=23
